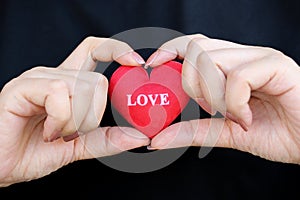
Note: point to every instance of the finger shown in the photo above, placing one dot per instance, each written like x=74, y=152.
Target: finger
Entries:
x=29, y=96
x=212, y=83
x=108, y=141
x=119, y=51
x=58, y=73
x=205, y=106
x=266, y=76
x=88, y=103
x=87, y=94
x=227, y=59
x=206, y=64
x=82, y=90
x=93, y=49
x=208, y=78
x=96, y=107
x=205, y=132
x=201, y=78
x=171, y=50
x=73, y=136
x=178, y=48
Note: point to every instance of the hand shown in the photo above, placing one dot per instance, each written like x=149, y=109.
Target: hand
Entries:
x=257, y=89
x=44, y=108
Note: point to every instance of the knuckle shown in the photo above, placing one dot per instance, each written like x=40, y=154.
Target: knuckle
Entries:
x=117, y=48
x=281, y=58
x=272, y=51
x=89, y=39
x=11, y=84
x=96, y=77
x=274, y=54
x=198, y=43
x=39, y=68
x=199, y=35
x=118, y=42
x=33, y=71
x=290, y=61
x=171, y=43
x=63, y=114
x=197, y=40
x=62, y=117
x=57, y=84
x=92, y=42
x=102, y=80
x=236, y=74
x=174, y=42
x=122, y=48
x=88, y=128
x=113, y=43
x=119, y=142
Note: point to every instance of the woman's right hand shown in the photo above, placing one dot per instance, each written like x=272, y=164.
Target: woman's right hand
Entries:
x=256, y=89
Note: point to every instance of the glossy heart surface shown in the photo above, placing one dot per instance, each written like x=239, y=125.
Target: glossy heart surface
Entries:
x=152, y=102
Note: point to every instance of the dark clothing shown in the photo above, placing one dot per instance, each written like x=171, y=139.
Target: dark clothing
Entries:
x=45, y=32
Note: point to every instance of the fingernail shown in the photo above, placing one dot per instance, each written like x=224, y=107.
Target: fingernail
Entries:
x=231, y=117
x=149, y=147
x=247, y=116
x=89, y=63
x=138, y=58
x=203, y=103
x=54, y=136
x=236, y=120
x=152, y=59
x=70, y=137
x=243, y=125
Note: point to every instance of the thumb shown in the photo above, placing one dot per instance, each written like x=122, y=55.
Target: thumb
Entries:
x=108, y=141
x=215, y=132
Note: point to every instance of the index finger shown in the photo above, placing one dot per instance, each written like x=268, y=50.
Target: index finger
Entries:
x=93, y=49
x=178, y=48
x=171, y=50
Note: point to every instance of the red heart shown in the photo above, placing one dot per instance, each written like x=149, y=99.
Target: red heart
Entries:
x=152, y=103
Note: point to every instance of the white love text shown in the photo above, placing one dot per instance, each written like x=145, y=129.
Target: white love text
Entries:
x=153, y=99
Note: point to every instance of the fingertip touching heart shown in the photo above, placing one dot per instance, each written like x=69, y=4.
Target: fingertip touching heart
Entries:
x=152, y=102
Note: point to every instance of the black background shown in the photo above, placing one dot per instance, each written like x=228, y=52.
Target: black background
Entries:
x=45, y=32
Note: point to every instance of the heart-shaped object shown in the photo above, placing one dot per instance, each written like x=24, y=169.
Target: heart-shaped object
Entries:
x=148, y=102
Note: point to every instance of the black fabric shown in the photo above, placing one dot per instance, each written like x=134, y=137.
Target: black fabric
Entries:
x=45, y=32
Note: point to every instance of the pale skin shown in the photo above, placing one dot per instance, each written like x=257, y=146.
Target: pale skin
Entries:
x=44, y=110
x=257, y=89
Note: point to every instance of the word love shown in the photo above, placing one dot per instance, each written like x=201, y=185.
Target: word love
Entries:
x=149, y=102
x=153, y=99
